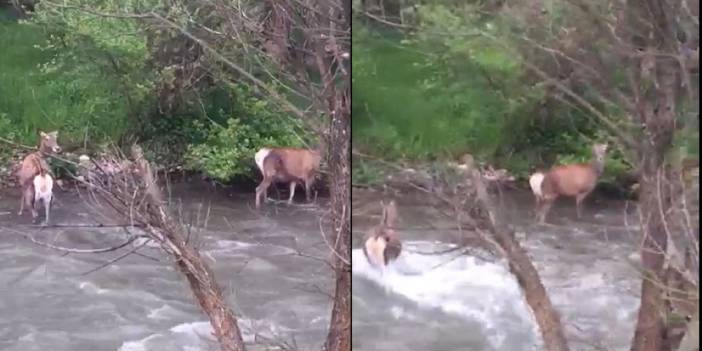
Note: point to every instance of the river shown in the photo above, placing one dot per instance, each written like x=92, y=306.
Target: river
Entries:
x=471, y=302
x=137, y=304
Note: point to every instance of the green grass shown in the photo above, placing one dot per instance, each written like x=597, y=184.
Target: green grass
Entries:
x=409, y=105
x=37, y=95
x=22, y=99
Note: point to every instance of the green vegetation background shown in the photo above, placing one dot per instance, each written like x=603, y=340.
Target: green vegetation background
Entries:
x=94, y=79
x=454, y=84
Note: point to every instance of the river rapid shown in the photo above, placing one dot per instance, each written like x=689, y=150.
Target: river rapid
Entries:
x=261, y=260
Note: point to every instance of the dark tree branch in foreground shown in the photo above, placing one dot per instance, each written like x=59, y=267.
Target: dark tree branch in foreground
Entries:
x=133, y=195
x=467, y=195
x=523, y=269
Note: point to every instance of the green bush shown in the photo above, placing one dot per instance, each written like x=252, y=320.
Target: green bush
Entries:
x=228, y=149
x=421, y=96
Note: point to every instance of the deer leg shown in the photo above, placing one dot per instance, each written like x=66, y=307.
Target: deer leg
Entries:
x=262, y=189
x=29, y=200
x=21, y=204
x=277, y=193
x=545, y=208
x=578, y=200
x=47, y=209
x=537, y=205
x=292, y=192
x=308, y=188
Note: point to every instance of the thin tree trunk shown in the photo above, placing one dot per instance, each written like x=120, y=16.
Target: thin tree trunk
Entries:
x=520, y=265
x=650, y=332
x=535, y=293
x=654, y=29
x=339, y=337
x=210, y=298
x=657, y=113
x=200, y=277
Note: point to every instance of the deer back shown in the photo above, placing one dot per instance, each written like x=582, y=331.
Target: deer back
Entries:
x=32, y=165
x=569, y=180
x=383, y=238
x=297, y=162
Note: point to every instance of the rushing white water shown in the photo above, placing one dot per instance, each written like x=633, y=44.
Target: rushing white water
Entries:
x=461, y=286
x=137, y=304
x=434, y=302
x=197, y=336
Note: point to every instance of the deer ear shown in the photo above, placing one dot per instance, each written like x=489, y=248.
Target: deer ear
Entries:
x=54, y=134
x=42, y=134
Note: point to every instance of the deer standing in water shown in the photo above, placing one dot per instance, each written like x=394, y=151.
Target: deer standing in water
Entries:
x=574, y=180
x=286, y=165
x=35, y=170
x=382, y=244
x=43, y=192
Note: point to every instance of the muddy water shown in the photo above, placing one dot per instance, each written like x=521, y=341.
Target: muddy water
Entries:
x=471, y=302
x=46, y=301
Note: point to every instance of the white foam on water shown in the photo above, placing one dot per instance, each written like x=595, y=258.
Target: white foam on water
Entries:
x=195, y=330
x=163, y=312
x=188, y=336
x=146, y=242
x=92, y=288
x=139, y=345
x=231, y=244
x=463, y=286
x=198, y=336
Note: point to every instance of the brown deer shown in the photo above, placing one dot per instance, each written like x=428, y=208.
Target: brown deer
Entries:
x=382, y=244
x=574, y=180
x=286, y=165
x=34, y=165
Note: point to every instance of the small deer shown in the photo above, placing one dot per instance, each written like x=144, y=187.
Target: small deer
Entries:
x=34, y=165
x=43, y=192
x=574, y=180
x=382, y=244
x=286, y=165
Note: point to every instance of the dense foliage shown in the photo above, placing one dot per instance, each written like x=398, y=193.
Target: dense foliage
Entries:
x=228, y=147
x=101, y=79
x=450, y=78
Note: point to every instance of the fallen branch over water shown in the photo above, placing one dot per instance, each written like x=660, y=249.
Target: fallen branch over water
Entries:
x=98, y=225
x=480, y=224
x=29, y=237
x=133, y=195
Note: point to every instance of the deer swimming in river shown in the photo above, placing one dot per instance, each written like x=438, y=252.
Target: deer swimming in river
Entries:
x=574, y=180
x=382, y=244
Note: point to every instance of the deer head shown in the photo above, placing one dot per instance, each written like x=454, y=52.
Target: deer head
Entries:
x=48, y=142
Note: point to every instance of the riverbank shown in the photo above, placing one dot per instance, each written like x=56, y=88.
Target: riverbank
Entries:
x=374, y=174
x=168, y=177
